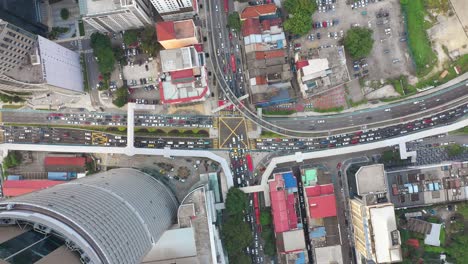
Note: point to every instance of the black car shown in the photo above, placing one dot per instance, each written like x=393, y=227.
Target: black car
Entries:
x=318, y=35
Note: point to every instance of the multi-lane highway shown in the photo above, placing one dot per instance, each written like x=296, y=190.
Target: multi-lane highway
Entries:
x=321, y=125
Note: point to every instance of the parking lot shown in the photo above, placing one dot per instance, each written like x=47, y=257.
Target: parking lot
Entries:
x=389, y=57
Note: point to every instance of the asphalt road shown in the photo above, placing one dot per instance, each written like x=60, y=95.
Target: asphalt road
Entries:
x=305, y=126
x=363, y=117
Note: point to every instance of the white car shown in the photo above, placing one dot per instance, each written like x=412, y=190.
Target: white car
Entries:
x=388, y=110
x=321, y=121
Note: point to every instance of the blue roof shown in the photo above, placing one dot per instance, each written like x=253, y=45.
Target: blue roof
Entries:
x=318, y=232
x=300, y=258
x=289, y=180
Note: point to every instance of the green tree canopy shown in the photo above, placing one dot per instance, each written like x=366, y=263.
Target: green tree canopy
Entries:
x=296, y=6
x=299, y=23
x=265, y=218
x=457, y=249
x=121, y=97
x=13, y=159
x=148, y=41
x=64, y=13
x=102, y=49
x=234, y=21
x=236, y=235
x=236, y=201
x=454, y=150
x=130, y=36
x=358, y=42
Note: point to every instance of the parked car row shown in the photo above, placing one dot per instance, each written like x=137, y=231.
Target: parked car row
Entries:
x=88, y=119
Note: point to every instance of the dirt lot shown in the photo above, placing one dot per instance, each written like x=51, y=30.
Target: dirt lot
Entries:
x=380, y=63
x=449, y=32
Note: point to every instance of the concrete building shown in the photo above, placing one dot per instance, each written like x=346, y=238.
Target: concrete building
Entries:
x=177, y=34
x=184, y=76
x=258, y=11
x=312, y=74
x=376, y=235
x=116, y=15
x=33, y=63
x=116, y=216
x=176, y=9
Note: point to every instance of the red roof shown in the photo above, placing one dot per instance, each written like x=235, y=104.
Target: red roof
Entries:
x=291, y=212
x=259, y=80
x=181, y=74
x=266, y=24
x=318, y=190
x=65, y=161
x=301, y=64
x=413, y=242
x=251, y=26
x=322, y=206
x=278, y=205
x=259, y=10
x=265, y=55
x=165, y=30
x=16, y=188
x=198, y=47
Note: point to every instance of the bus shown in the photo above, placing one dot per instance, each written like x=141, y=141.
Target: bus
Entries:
x=256, y=207
x=249, y=162
x=233, y=63
x=226, y=6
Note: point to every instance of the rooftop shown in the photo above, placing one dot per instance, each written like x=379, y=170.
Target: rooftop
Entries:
x=386, y=236
x=291, y=241
x=170, y=30
x=179, y=59
x=258, y=10
x=310, y=177
x=322, y=206
x=282, y=206
x=330, y=254
x=371, y=179
x=20, y=187
x=184, y=86
x=92, y=7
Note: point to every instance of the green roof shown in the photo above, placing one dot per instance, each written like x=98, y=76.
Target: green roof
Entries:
x=310, y=177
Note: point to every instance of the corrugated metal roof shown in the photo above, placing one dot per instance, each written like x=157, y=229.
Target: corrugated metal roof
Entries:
x=322, y=206
x=70, y=161
x=278, y=205
x=259, y=10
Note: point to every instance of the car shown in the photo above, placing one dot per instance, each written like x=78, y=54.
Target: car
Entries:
x=321, y=121
x=324, y=24
x=318, y=35
x=388, y=110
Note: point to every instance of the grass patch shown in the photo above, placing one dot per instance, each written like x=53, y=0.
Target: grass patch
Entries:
x=461, y=131
x=402, y=87
x=351, y=103
x=418, y=41
x=12, y=106
x=461, y=62
x=442, y=236
x=278, y=112
x=329, y=110
x=269, y=134
x=81, y=28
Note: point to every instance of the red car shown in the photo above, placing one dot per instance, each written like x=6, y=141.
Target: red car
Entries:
x=324, y=24
x=338, y=166
x=230, y=35
x=354, y=141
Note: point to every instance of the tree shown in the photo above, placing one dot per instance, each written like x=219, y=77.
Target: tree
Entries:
x=64, y=13
x=457, y=249
x=130, y=37
x=358, y=42
x=121, y=97
x=102, y=50
x=13, y=159
x=296, y=6
x=454, y=150
x=236, y=201
x=148, y=41
x=234, y=21
x=299, y=23
x=236, y=235
x=265, y=218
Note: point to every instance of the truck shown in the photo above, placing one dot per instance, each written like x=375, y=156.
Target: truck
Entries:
x=61, y=176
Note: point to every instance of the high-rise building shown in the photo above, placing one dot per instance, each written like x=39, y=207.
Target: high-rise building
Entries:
x=15, y=45
x=31, y=63
x=116, y=15
x=26, y=14
x=112, y=217
x=376, y=236
x=175, y=9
